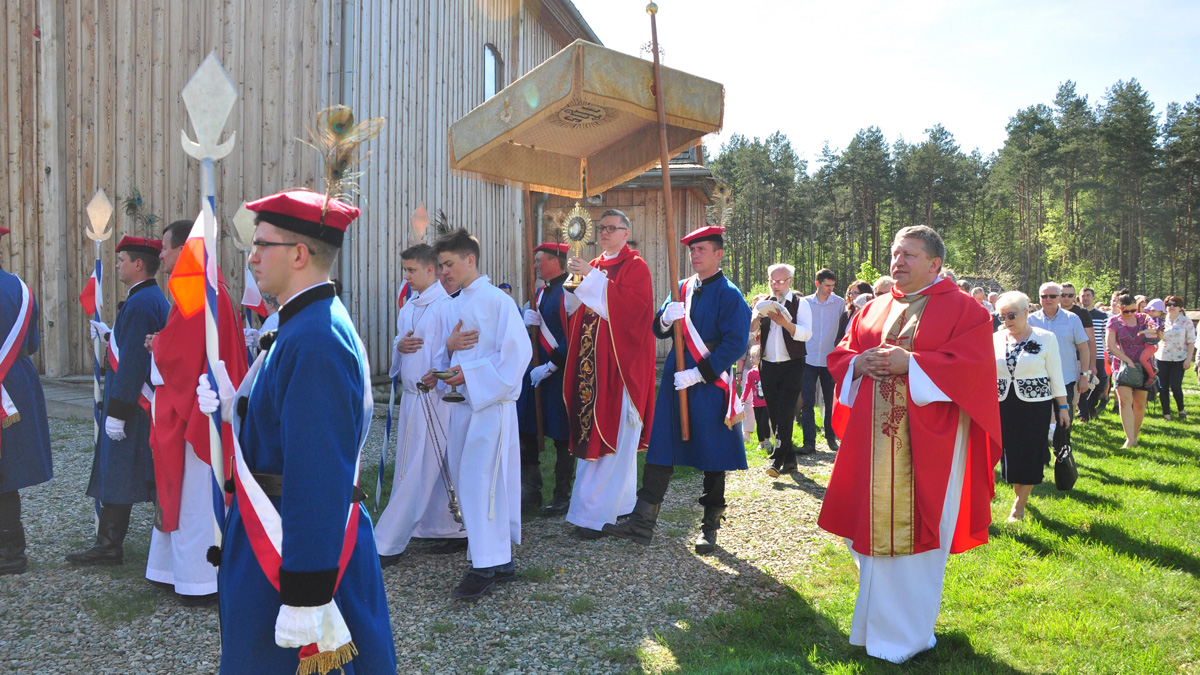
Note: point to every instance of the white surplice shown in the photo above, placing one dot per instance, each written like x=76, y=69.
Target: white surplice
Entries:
x=419, y=503
x=180, y=558
x=899, y=597
x=607, y=487
x=485, y=455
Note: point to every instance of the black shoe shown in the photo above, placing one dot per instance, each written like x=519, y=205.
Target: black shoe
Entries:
x=558, y=507
x=110, y=537
x=474, y=585
x=588, y=534
x=639, y=527
x=447, y=546
x=706, y=543
x=209, y=600
x=386, y=561
x=806, y=450
x=505, y=577
x=832, y=443
x=777, y=471
x=12, y=551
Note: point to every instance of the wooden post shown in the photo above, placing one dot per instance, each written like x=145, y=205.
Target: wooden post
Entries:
x=51, y=139
x=530, y=280
x=668, y=211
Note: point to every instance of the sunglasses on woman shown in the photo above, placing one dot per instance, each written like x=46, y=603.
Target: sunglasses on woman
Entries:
x=1129, y=311
x=1010, y=316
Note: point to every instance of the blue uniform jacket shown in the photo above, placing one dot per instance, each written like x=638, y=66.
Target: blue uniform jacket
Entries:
x=24, y=445
x=302, y=421
x=554, y=410
x=722, y=318
x=123, y=471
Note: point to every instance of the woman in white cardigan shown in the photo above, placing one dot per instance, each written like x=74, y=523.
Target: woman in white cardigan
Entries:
x=1028, y=377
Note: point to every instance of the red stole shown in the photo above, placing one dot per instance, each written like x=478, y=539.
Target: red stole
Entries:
x=602, y=362
x=179, y=355
x=953, y=345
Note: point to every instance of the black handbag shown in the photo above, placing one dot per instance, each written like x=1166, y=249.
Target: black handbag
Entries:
x=1065, y=471
x=1131, y=376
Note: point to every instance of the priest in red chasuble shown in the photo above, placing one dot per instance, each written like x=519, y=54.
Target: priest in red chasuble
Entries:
x=914, y=476
x=608, y=385
x=186, y=525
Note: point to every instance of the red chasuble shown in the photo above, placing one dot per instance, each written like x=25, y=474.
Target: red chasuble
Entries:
x=179, y=355
x=950, y=337
x=601, y=361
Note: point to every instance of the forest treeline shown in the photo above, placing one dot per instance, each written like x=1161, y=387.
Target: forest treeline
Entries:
x=1106, y=195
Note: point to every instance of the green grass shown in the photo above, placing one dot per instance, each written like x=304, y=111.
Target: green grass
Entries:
x=535, y=574
x=582, y=605
x=122, y=606
x=1103, y=579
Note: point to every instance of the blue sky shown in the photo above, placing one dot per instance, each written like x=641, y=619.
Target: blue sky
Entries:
x=821, y=70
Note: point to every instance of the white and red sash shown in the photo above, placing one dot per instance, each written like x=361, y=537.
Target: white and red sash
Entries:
x=8, y=355
x=264, y=525
x=545, y=337
x=146, y=399
x=699, y=351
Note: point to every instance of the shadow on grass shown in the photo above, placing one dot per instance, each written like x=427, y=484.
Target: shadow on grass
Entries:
x=798, y=481
x=776, y=629
x=1117, y=539
x=1165, y=488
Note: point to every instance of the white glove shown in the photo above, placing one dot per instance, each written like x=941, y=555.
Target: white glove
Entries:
x=298, y=626
x=115, y=428
x=251, y=337
x=687, y=378
x=208, y=400
x=532, y=318
x=673, y=312
x=99, y=330
x=541, y=372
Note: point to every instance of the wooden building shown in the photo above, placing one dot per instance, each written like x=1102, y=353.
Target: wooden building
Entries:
x=91, y=96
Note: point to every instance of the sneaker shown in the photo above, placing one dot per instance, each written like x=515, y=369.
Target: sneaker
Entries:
x=1182, y=415
x=474, y=585
x=1167, y=417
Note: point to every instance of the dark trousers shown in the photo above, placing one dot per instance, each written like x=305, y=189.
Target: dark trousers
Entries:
x=531, y=453
x=808, y=389
x=1170, y=381
x=10, y=510
x=762, y=423
x=1070, y=401
x=656, y=477
x=1089, y=403
x=781, y=390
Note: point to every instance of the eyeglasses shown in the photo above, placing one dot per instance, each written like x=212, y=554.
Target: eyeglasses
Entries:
x=1067, y=295
x=1049, y=296
x=260, y=244
x=1010, y=316
x=1174, y=304
x=1129, y=311
x=609, y=229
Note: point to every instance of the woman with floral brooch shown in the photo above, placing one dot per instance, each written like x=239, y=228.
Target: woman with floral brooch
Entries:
x=1028, y=377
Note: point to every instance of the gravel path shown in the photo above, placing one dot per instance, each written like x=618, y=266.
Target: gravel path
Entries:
x=581, y=607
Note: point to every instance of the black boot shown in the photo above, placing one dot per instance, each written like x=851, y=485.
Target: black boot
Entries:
x=110, y=537
x=531, y=486
x=12, y=551
x=564, y=477
x=783, y=463
x=639, y=527
x=706, y=543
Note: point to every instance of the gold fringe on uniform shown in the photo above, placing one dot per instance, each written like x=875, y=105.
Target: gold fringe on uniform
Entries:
x=324, y=662
x=10, y=420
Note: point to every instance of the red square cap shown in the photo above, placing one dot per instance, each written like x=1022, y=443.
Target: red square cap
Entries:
x=710, y=233
x=300, y=211
x=140, y=245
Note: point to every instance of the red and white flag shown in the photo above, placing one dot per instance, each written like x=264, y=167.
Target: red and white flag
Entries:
x=91, y=298
x=252, y=298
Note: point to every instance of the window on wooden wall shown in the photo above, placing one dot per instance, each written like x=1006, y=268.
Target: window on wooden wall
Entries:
x=493, y=71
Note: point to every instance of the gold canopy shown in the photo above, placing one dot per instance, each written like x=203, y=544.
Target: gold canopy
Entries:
x=585, y=109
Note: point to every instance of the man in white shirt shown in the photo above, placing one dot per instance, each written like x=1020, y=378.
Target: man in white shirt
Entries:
x=781, y=337
x=826, y=309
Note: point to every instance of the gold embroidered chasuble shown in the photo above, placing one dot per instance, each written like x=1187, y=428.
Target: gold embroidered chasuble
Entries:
x=893, y=494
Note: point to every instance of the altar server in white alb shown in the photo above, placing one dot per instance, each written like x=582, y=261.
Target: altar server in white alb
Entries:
x=489, y=353
x=419, y=505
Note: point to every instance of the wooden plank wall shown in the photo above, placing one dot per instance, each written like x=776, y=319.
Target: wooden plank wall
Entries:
x=420, y=64
x=644, y=208
x=19, y=182
x=125, y=64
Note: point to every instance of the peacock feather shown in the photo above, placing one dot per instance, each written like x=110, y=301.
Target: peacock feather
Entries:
x=337, y=137
x=136, y=208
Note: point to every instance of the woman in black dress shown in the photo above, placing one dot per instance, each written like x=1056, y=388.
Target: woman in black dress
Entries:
x=1028, y=378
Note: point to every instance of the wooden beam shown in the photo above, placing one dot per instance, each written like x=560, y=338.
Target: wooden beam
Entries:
x=55, y=294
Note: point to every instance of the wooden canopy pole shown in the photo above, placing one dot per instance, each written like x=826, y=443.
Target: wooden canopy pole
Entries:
x=668, y=209
x=531, y=293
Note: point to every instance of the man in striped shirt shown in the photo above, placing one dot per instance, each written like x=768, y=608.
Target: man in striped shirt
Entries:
x=1093, y=403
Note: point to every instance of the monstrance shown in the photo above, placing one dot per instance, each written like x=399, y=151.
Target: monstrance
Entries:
x=575, y=230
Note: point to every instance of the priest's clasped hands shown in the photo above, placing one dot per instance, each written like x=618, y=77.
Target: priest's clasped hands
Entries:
x=882, y=361
x=579, y=267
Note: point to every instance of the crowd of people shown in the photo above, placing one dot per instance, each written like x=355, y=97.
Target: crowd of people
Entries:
x=253, y=463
